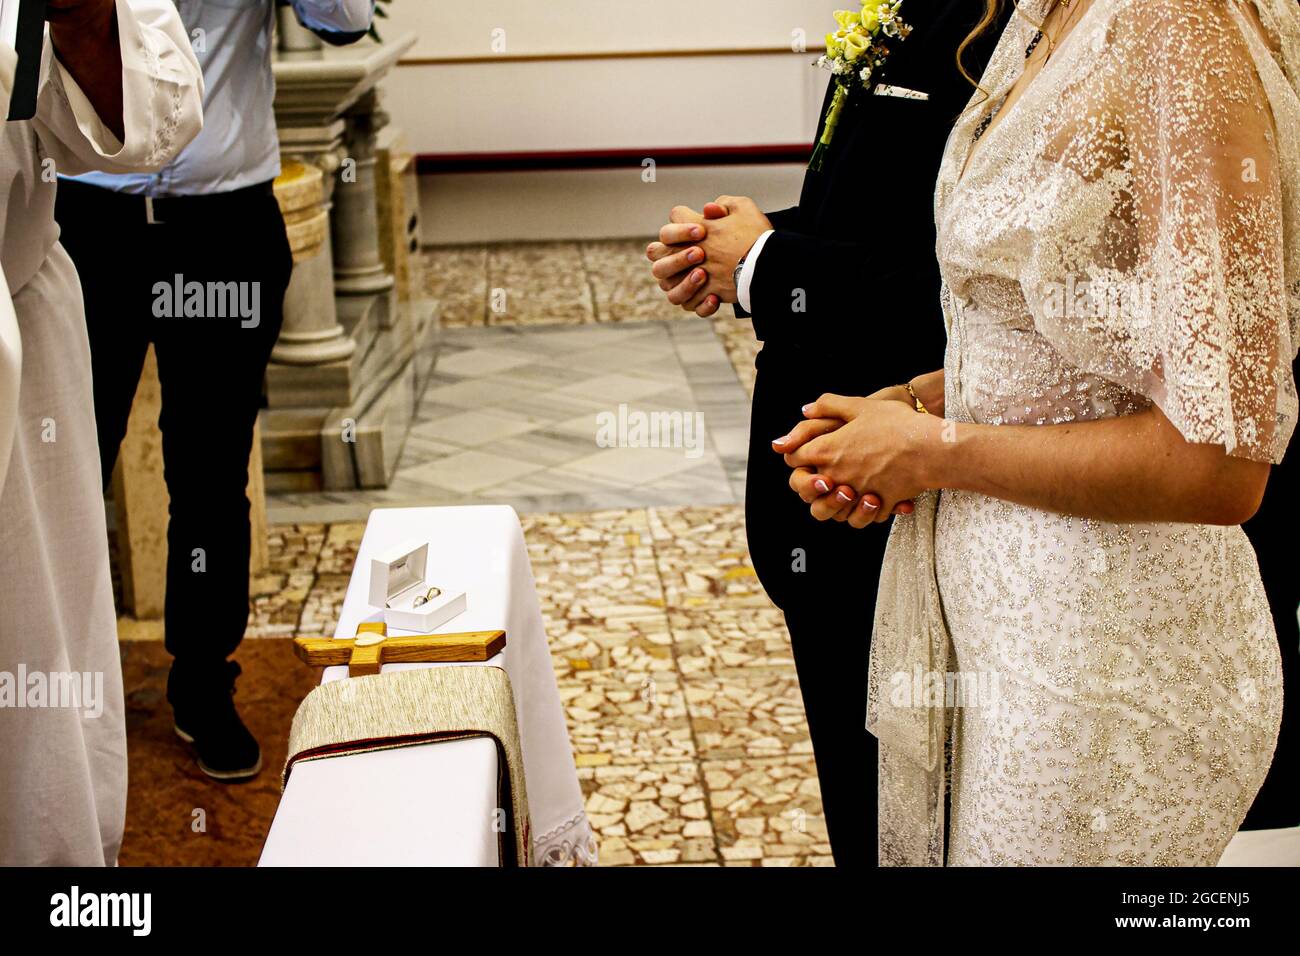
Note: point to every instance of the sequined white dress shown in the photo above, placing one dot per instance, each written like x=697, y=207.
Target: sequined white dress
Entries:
x=1127, y=234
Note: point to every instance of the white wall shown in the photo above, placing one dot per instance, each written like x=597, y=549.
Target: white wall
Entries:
x=498, y=104
x=616, y=81
x=568, y=26
x=585, y=204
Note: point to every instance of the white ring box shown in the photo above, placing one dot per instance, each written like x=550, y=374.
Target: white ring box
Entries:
x=397, y=580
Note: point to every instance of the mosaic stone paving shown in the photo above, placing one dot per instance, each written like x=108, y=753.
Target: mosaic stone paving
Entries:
x=674, y=669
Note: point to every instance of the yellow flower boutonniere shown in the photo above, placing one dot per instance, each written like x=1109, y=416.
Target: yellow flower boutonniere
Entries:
x=856, y=54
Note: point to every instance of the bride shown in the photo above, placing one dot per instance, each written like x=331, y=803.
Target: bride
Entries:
x=1119, y=233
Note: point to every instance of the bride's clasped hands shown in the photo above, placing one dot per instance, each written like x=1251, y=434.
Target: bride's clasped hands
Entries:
x=861, y=460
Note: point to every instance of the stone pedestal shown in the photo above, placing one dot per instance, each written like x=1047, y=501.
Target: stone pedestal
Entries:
x=344, y=379
x=397, y=190
x=311, y=334
x=358, y=267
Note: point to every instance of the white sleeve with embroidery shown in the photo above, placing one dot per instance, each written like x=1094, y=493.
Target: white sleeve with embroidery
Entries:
x=162, y=98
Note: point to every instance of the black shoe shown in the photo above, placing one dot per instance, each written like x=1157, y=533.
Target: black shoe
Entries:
x=207, y=720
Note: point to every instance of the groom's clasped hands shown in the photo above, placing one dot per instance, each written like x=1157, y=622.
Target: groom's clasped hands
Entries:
x=696, y=255
x=843, y=443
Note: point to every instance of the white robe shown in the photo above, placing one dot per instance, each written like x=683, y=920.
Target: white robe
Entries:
x=62, y=768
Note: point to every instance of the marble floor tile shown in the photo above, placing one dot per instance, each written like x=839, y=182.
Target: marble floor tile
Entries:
x=634, y=645
x=624, y=290
x=539, y=401
x=481, y=361
x=703, y=558
x=277, y=596
x=625, y=717
x=472, y=393
x=635, y=466
x=748, y=715
x=615, y=387
x=473, y=428
x=648, y=814
x=295, y=547
x=651, y=357
x=537, y=283
x=420, y=447
x=457, y=277
x=711, y=642
x=615, y=287
x=600, y=589
x=542, y=376
x=320, y=611
x=767, y=812
x=546, y=446
x=276, y=601
x=468, y=472
x=339, y=552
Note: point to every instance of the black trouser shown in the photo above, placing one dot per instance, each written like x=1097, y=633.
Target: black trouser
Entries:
x=1273, y=535
x=823, y=575
x=211, y=370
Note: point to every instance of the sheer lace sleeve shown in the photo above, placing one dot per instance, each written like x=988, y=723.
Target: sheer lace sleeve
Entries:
x=1182, y=284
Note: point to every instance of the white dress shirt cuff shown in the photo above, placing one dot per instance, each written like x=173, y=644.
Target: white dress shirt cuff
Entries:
x=747, y=271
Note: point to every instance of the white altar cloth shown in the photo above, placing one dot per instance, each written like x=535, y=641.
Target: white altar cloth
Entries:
x=480, y=550
x=356, y=810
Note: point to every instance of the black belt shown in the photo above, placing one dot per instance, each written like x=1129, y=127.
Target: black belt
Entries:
x=160, y=210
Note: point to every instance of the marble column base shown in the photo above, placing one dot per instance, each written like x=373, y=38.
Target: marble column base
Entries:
x=311, y=293
x=308, y=447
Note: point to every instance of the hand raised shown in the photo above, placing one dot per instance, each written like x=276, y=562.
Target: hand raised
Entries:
x=676, y=260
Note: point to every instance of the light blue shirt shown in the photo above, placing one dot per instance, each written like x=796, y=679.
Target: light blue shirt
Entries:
x=238, y=146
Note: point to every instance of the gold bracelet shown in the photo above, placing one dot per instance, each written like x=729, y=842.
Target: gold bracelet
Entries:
x=920, y=405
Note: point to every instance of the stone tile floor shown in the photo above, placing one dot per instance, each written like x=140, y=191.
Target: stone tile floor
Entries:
x=674, y=668
x=562, y=418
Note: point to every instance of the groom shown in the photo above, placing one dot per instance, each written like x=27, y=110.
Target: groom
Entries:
x=843, y=291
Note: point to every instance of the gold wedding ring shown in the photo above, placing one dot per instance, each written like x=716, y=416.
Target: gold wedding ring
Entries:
x=920, y=405
x=428, y=596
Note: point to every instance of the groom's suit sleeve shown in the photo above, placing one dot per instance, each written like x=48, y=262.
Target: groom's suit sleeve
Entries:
x=799, y=275
x=780, y=219
x=784, y=218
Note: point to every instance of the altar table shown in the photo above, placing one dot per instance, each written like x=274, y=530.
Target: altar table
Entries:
x=427, y=805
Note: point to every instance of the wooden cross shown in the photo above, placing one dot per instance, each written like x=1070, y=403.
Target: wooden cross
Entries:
x=371, y=648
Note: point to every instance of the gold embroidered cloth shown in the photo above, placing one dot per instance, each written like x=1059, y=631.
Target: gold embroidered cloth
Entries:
x=413, y=707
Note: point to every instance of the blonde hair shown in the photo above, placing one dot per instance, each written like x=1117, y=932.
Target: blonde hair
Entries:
x=991, y=10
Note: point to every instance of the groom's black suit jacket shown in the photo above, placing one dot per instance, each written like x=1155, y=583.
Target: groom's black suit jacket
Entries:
x=859, y=251
x=860, y=246
x=861, y=240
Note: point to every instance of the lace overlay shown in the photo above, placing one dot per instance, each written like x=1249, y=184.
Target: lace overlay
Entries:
x=570, y=844
x=1126, y=234
x=1127, y=230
